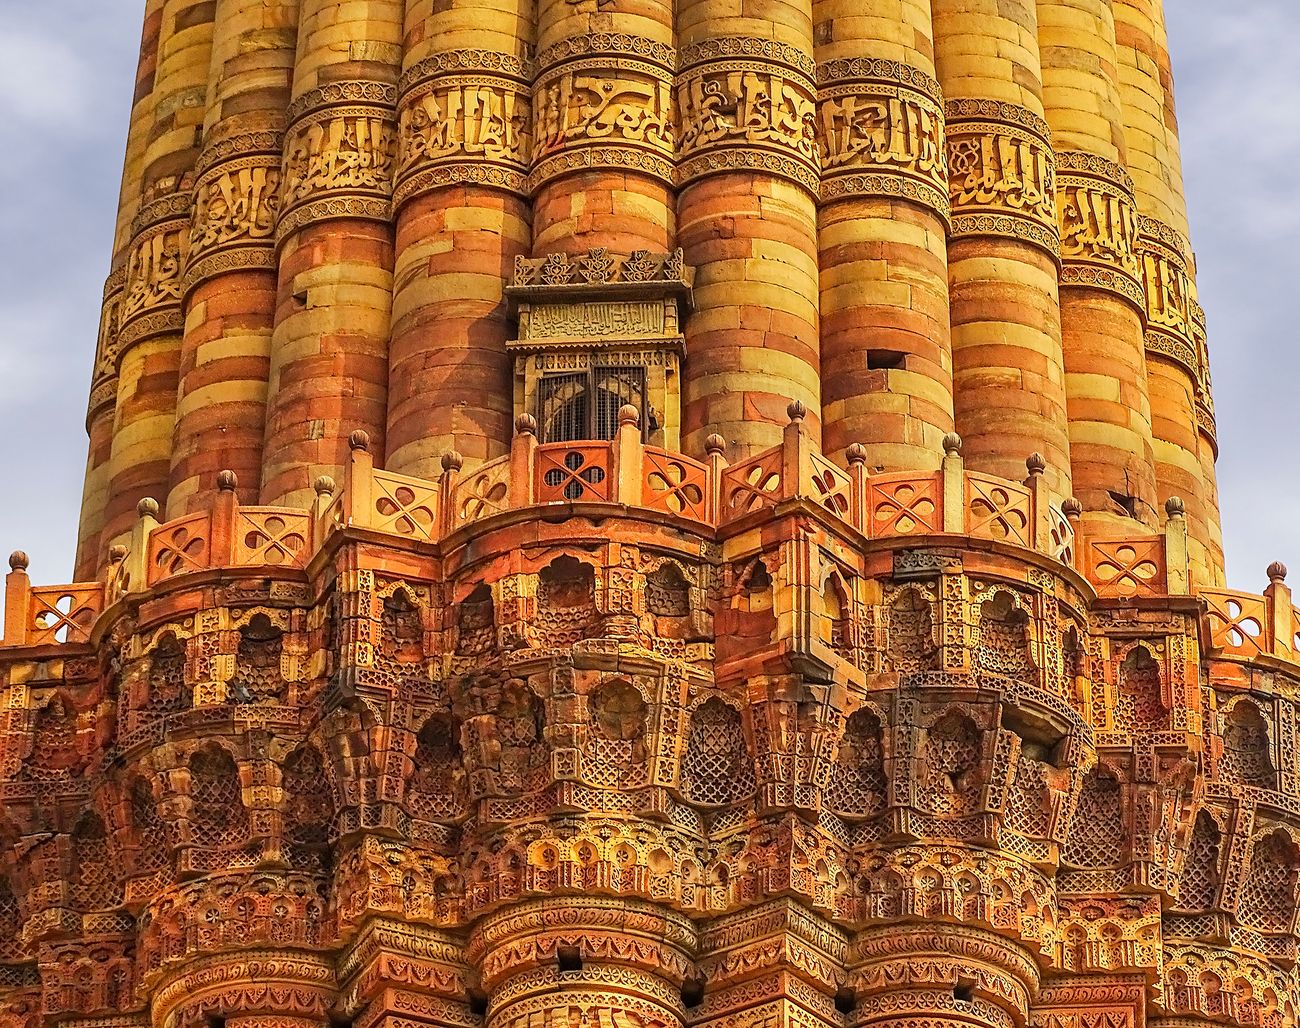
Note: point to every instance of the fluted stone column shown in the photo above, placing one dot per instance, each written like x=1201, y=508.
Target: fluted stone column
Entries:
x=329, y=350
x=230, y=277
x=886, y=352
x=747, y=219
x=1004, y=251
x=103, y=385
x=1102, y=308
x=462, y=217
x=582, y=960
x=150, y=315
x=1177, y=362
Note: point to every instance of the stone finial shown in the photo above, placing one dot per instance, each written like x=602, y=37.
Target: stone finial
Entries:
x=325, y=486
x=1036, y=464
x=1175, y=507
x=360, y=440
x=526, y=424
x=952, y=444
x=227, y=481
x=629, y=415
x=116, y=554
x=18, y=561
x=715, y=444
x=1277, y=572
x=856, y=453
x=147, y=507
x=1072, y=508
x=452, y=461
x=796, y=411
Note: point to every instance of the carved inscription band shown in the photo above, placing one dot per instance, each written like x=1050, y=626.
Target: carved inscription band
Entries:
x=881, y=133
x=151, y=297
x=465, y=116
x=1001, y=173
x=339, y=155
x=236, y=206
x=747, y=104
x=1099, y=226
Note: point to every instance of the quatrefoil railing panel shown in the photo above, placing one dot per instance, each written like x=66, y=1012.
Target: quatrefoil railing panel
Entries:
x=404, y=506
x=675, y=484
x=1127, y=567
x=998, y=509
x=484, y=492
x=272, y=537
x=903, y=505
x=180, y=547
x=831, y=486
x=63, y=613
x=753, y=484
x=1238, y=622
x=573, y=472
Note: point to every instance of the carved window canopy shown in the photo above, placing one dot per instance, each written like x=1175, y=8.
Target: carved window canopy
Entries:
x=595, y=313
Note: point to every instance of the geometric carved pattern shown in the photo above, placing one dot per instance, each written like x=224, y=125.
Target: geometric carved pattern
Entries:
x=1098, y=836
x=716, y=768
x=218, y=817
x=954, y=766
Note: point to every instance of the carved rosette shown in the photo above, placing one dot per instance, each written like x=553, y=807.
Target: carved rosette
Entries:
x=236, y=204
x=103, y=383
x=1175, y=320
x=747, y=104
x=603, y=101
x=464, y=117
x=881, y=133
x=1001, y=173
x=340, y=152
x=1099, y=226
x=151, y=295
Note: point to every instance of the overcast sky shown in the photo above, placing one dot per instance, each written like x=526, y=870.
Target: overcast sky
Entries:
x=65, y=86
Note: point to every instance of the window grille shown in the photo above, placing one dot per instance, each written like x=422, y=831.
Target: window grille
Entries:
x=585, y=405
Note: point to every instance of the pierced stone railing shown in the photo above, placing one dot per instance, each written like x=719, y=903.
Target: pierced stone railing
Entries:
x=624, y=471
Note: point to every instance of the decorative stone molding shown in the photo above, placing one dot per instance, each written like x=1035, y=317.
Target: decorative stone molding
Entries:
x=603, y=101
x=151, y=294
x=1099, y=226
x=465, y=116
x=881, y=133
x=340, y=154
x=1001, y=173
x=747, y=104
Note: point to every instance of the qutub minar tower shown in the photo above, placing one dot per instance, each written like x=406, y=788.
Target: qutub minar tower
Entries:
x=650, y=514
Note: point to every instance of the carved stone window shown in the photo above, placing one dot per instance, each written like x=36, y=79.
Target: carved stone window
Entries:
x=55, y=744
x=94, y=884
x=1004, y=638
x=911, y=645
x=857, y=786
x=257, y=663
x=668, y=594
x=596, y=332
x=716, y=767
x=218, y=817
x=476, y=624
x=1199, y=885
x=1268, y=894
x=150, y=833
x=616, y=755
x=11, y=947
x=953, y=766
x=401, y=636
x=1246, y=748
x=167, y=689
x=566, y=602
x=1141, y=706
x=437, y=782
x=309, y=810
x=1097, y=837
